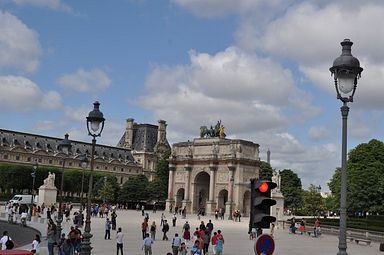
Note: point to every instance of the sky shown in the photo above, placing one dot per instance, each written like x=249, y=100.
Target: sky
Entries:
x=259, y=66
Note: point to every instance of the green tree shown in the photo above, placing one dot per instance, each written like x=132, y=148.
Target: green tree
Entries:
x=159, y=186
x=134, y=189
x=266, y=171
x=291, y=188
x=365, y=171
x=312, y=201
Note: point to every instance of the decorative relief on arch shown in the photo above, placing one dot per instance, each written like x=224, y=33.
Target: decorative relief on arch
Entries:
x=178, y=187
x=222, y=177
x=179, y=177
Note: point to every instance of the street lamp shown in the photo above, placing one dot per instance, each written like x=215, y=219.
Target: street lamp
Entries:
x=65, y=147
x=84, y=164
x=346, y=71
x=95, y=125
x=33, y=174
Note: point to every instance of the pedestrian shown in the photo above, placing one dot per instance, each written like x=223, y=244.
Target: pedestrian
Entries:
x=119, y=241
x=302, y=226
x=152, y=230
x=162, y=218
x=219, y=245
x=207, y=239
x=36, y=245
x=147, y=245
x=214, y=242
x=272, y=229
x=183, y=249
x=196, y=248
x=144, y=228
x=187, y=236
x=51, y=236
x=107, y=229
x=113, y=220
x=176, y=243
x=209, y=226
x=174, y=220
x=216, y=214
x=165, y=230
x=68, y=247
x=316, y=228
x=6, y=241
x=142, y=210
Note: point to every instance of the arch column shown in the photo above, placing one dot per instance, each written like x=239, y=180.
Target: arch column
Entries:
x=187, y=201
x=211, y=203
x=171, y=178
x=229, y=204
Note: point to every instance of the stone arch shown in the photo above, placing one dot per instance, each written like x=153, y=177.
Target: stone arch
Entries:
x=179, y=197
x=222, y=198
x=246, y=203
x=201, y=191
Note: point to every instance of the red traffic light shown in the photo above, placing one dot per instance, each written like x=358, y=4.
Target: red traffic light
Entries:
x=263, y=187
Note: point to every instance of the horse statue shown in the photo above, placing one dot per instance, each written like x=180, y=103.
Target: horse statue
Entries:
x=204, y=132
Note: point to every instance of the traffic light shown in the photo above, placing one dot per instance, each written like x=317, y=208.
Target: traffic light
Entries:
x=261, y=203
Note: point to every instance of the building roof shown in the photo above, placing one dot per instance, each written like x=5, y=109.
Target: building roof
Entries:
x=33, y=142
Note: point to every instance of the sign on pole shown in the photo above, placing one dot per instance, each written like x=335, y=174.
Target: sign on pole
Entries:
x=265, y=245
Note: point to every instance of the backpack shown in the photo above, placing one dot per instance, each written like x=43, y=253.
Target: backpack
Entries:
x=219, y=245
x=9, y=244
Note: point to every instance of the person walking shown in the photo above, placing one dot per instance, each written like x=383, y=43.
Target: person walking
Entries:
x=165, y=230
x=51, y=236
x=113, y=220
x=214, y=242
x=152, y=230
x=174, y=218
x=147, y=245
x=5, y=241
x=207, y=239
x=107, y=229
x=219, y=245
x=196, y=248
x=176, y=243
x=119, y=241
x=209, y=227
x=144, y=228
x=36, y=245
x=183, y=249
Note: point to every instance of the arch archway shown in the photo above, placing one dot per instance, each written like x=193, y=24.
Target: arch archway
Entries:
x=222, y=198
x=201, y=191
x=179, y=197
x=246, y=203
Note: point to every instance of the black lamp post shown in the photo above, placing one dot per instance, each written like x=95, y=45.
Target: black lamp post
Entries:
x=84, y=165
x=65, y=146
x=346, y=71
x=95, y=125
x=33, y=174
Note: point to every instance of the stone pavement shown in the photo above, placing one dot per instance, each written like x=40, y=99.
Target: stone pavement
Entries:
x=235, y=234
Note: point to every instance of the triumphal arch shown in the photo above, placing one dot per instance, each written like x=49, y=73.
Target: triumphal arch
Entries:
x=212, y=172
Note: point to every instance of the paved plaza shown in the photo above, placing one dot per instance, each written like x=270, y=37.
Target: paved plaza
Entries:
x=235, y=234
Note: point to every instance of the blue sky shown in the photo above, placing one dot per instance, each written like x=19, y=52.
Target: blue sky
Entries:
x=260, y=66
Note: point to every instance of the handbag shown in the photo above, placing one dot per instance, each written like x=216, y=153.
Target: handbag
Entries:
x=33, y=251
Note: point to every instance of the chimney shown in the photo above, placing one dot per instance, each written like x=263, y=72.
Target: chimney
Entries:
x=161, y=132
x=129, y=134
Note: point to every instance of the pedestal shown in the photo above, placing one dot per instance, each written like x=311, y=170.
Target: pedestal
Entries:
x=47, y=195
x=229, y=210
x=188, y=205
x=168, y=204
x=210, y=208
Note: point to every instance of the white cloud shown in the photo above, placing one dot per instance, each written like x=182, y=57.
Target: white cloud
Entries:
x=51, y=4
x=20, y=94
x=214, y=8
x=86, y=80
x=309, y=35
x=245, y=91
x=19, y=45
x=319, y=133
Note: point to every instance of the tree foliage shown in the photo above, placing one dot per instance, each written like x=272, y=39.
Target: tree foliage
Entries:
x=312, y=201
x=291, y=188
x=266, y=171
x=365, y=183
x=134, y=189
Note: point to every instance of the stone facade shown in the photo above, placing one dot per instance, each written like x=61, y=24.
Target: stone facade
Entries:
x=212, y=173
x=147, y=142
x=25, y=148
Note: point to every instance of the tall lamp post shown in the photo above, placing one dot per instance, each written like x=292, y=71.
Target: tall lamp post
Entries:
x=65, y=146
x=84, y=164
x=95, y=125
x=33, y=174
x=346, y=71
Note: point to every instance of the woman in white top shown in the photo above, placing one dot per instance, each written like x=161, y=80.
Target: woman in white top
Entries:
x=36, y=245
